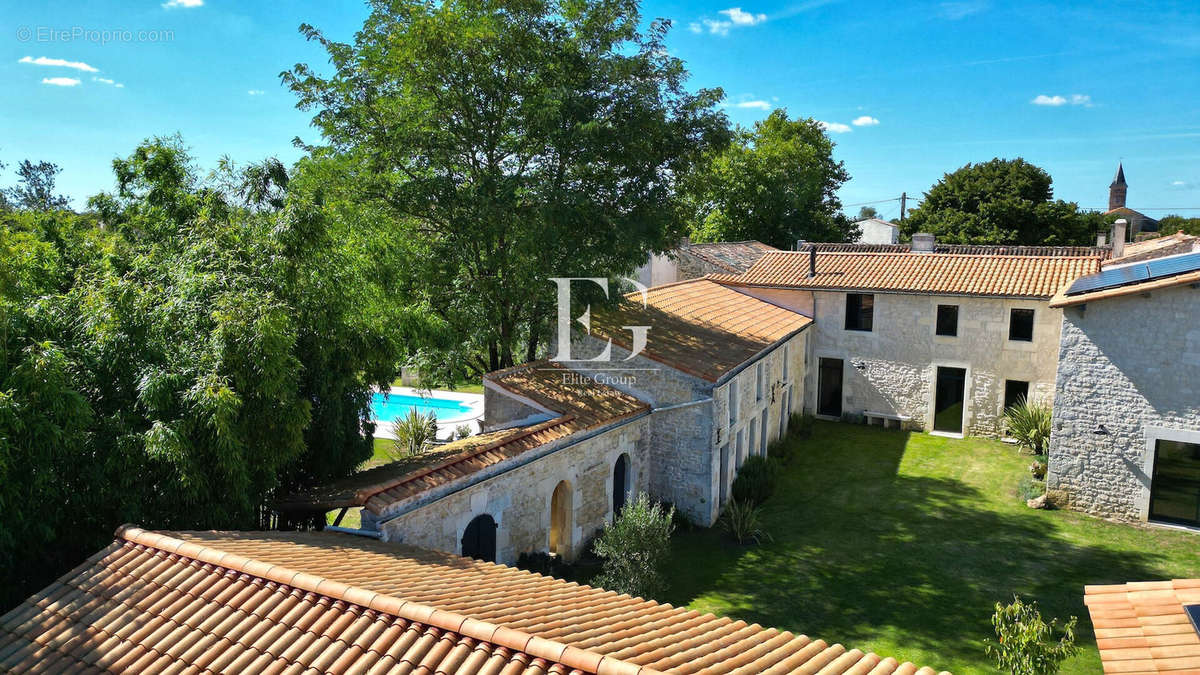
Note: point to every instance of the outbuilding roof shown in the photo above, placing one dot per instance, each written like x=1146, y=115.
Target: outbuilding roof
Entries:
x=578, y=404
x=1158, y=247
x=926, y=273
x=734, y=257
x=1142, y=628
x=292, y=602
x=698, y=326
x=966, y=249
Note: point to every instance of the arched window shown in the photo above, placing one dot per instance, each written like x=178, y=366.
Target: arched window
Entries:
x=479, y=539
x=620, y=484
x=560, y=519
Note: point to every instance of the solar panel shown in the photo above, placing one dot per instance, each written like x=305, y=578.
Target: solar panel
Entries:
x=1193, y=612
x=1169, y=267
x=1121, y=276
x=1132, y=274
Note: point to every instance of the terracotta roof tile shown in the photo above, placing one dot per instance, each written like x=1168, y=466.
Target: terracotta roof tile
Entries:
x=1141, y=628
x=734, y=257
x=931, y=273
x=580, y=405
x=699, y=327
x=290, y=601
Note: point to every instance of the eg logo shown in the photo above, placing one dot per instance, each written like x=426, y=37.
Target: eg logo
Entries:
x=564, y=320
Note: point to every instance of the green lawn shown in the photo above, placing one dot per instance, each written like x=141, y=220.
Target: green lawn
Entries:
x=901, y=543
x=473, y=387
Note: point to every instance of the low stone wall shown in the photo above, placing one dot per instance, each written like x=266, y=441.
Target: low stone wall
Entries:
x=1129, y=372
x=519, y=499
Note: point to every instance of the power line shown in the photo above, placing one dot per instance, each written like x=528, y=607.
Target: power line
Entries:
x=877, y=201
x=1147, y=208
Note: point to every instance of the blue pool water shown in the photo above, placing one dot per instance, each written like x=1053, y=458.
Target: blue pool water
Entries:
x=387, y=407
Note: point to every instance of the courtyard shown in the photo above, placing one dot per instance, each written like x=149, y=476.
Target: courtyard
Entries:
x=901, y=543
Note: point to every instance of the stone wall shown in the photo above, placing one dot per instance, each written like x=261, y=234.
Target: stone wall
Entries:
x=1129, y=372
x=518, y=497
x=502, y=409
x=892, y=368
x=688, y=266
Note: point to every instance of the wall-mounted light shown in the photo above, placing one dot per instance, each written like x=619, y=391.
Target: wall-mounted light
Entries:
x=859, y=365
x=1100, y=430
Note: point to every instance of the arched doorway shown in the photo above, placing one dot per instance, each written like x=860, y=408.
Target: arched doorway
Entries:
x=479, y=539
x=560, y=519
x=620, y=484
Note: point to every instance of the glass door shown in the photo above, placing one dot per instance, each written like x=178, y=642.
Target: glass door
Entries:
x=1175, y=488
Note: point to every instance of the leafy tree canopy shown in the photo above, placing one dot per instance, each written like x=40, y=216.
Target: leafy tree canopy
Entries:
x=867, y=212
x=35, y=188
x=775, y=183
x=1176, y=223
x=176, y=366
x=509, y=142
x=1000, y=201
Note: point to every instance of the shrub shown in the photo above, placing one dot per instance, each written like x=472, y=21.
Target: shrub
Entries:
x=1025, y=643
x=1029, y=424
x=544, y=563
x=635, y=547
x=414, y=434
x=462, y=431
x=1037, y=468
x=755, y=481
x=1028, y=488
x=743, y=521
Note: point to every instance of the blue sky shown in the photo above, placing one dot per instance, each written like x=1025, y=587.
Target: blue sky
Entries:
x=1071, y=86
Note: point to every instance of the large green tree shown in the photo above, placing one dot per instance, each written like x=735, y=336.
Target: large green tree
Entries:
x=509, y=142
x=775, y=183
x=1001, y=201
x=178, y=365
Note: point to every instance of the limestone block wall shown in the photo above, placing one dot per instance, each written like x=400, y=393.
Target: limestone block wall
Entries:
x=688, y=266
x=502, y=410
x=519, y=498
x=1132, y=366
x=742, y=436
x=892, y=369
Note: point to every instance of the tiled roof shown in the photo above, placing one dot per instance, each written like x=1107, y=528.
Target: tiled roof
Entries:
x=580, y=404
x=1141, y=627
x=967, y=249
x=734, y=257
x=931, y=273
x=275, y=602
x=1158, y=247
x=698, y=326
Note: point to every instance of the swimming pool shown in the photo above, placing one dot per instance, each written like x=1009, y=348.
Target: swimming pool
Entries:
x=387, y=407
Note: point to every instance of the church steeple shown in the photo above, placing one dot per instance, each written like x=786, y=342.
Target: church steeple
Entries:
x=1116, y=191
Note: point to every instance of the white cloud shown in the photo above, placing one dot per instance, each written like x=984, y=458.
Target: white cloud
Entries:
x=865, y=121
x=835, y=127
x=256, y=92
x=742, y=18
x=60, y=81
x=105, y=80
x=1057, y=100
x=173, y=4
x=44, y=61
x=756, y=104
x=1182, y=185
x=962, y=9
x=737, y=18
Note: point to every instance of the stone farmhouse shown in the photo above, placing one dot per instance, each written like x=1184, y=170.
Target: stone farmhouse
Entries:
x=324, y=602
x=1126, y=437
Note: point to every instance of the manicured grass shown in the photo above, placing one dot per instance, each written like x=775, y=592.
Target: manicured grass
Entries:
x=901, y=544
x=475, y=387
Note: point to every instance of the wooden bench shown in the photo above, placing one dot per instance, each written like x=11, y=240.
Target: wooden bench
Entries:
x=886, y=420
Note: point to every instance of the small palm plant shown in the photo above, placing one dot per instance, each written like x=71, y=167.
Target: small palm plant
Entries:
x=414, y=432
x=743, y=521
x=1029, y=424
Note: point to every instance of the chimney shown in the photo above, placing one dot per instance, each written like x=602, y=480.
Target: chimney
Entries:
x=922, y=243
x=1101, y=239
x=1118, y=238
x=812, y=261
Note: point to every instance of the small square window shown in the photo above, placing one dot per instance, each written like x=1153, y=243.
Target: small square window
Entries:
x=947, y=320
x=860, y=310
x=1015, y=391
x=1020, y=325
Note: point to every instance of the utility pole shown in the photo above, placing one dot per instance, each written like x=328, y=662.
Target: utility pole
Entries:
x=903, y=199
